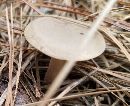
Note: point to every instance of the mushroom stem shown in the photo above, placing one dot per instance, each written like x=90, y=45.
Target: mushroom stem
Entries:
x=54, y=68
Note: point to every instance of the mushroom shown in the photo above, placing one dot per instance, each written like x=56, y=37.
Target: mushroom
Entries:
x=61, y=38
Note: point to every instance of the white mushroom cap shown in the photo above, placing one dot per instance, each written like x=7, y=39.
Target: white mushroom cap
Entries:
x=62, y=38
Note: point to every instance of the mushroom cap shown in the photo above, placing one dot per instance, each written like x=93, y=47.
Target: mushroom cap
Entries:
x=61, y=38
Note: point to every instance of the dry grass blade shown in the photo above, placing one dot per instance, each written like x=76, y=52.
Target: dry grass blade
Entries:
x=11, y=57
x=20, y=60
